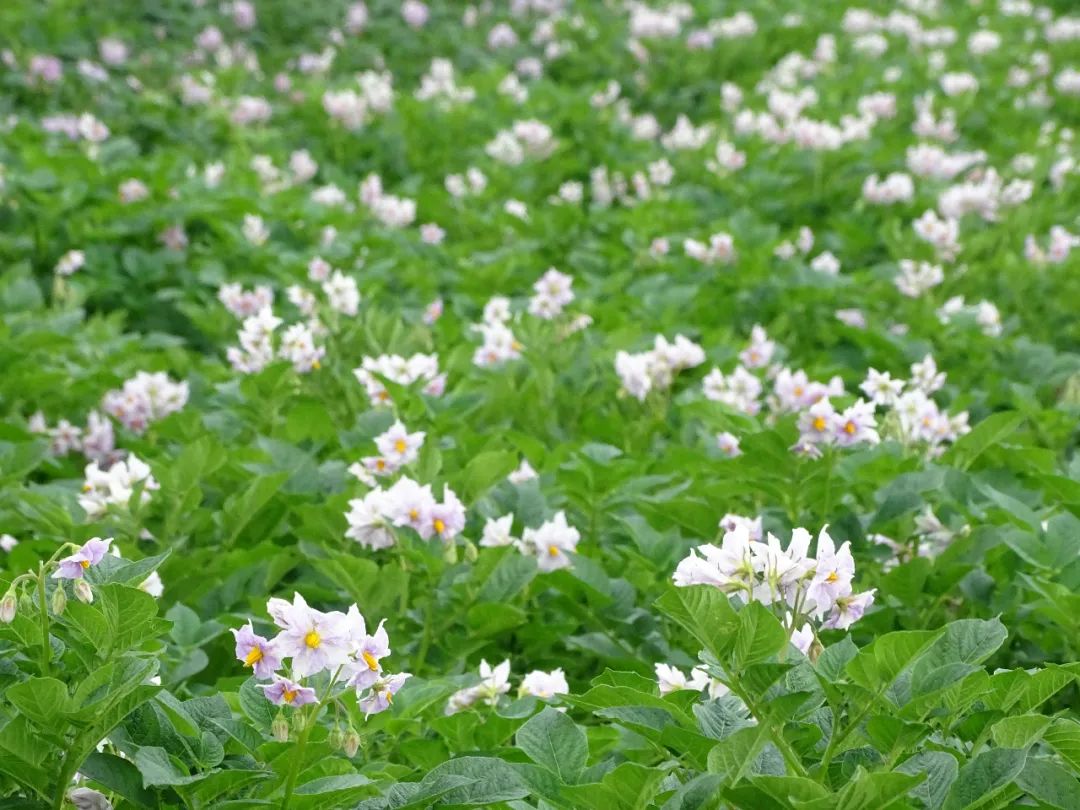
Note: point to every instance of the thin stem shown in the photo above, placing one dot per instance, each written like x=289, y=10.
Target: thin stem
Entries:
x=301, y=743
x=830, y=461
x=425, y=639
x=43, y=612
x=775, y=735
x=67, y=773
x=836, y=739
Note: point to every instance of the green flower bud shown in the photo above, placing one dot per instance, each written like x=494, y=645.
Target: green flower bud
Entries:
x=280, y=727
x=59, y=600
x=471, y=552
x=336, y=738
x=351, y=744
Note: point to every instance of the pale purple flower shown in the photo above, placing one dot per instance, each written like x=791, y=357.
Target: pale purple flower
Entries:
x=283, y=692
x=256, y=652
x=91, y=553
x=382, y=693
x=849, y=609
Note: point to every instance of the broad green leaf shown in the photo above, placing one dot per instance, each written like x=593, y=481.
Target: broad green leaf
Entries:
x=551, y=739
x=705, y=613
x=985, y=777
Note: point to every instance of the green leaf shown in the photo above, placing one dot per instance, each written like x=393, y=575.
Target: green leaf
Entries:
x=1019, y=731
x=722, y=717
x=254, y=704
x=493, y=780
x=706, y=613
x=941, y=770
x=553, y=740
x=487, y=468
x=990, y=431
x=761, y=636
x=118, y=775
x=159, y=768
x=1064, y=737
x=877, y=666
x=43, y=700
x=1050, y=784
x=735, y=755
x=985, y=777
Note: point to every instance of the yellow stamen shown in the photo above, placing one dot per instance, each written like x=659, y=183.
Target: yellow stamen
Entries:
x=400, y=445
x=819, y=423
x=315, y=364
x=373, y=665
x=289, y=695
x=84, y=563
x=798, y=391
x=832, y=577
x=254, y=656
x=380, y=464
x=86, y=487
x=553, y=550
x=440, y=527
x=384, y=395
x=413, y=514
x=850, y=428
x=389, y=696
x=313, y=639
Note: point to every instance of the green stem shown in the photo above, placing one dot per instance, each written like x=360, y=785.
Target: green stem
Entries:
x=775, y=735
x=830, y=461
x=425, y=640
x=43, y=612
x=67, y=773
x=298, y=756
x=836, y=739
x=301, y=743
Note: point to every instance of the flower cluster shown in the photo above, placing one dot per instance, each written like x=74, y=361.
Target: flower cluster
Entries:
x=373, y=518
x=97, y=441
x=256, y=350
x=672, y=679
x=397, y=448
x=402, y=371
x=145, y=398
x=310, y=642
x=656, y=369
x=495, y=682
x=551, y=544
x=798, y=586
x=115, y=486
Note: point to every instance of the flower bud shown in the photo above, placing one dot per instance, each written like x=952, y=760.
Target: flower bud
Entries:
x=280, y=727
x=298, y=722
x=471, y=552
x=336, y=738
x=87, y=799
x=83, y=592
x=351, y=744
x=450, y=553
x=59, y=600
x=8, y=607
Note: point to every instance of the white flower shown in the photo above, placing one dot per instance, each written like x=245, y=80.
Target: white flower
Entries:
x=551, y=543
x=544, y=685
x=497, y=532
x=369, y=524
x=400, y=445
x=881, y=387
x=255, y=230
x=494, y=682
